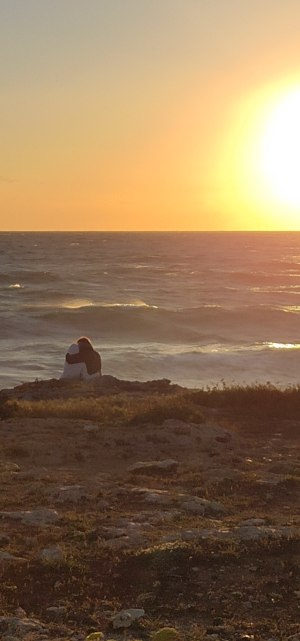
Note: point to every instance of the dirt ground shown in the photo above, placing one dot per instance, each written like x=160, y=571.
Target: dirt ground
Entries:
x=207, y=542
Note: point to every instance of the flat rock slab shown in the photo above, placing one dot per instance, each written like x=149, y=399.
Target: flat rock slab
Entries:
x=254, y=533
x=153, y=496
x=71, y=493
x=250, y=522
x=246, y=533
x=7, y=466
x=38, y=517
x=203, y=507
x=207, y=432
x=6, y=556
x=131, y=536
x=168, y=466
x=195, y=534
x=20, y=626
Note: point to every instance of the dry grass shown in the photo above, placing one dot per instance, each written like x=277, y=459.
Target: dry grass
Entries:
x=119, y=409
x=257, y=407
x=263, y=401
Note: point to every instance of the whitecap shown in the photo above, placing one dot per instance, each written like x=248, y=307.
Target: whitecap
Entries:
x=16, y=286
x=77, y=303
x=133, y=304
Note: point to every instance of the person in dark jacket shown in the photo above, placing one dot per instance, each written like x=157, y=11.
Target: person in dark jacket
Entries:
x=87, y=355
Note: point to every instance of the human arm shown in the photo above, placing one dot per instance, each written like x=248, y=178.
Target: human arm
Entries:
x=74, y=358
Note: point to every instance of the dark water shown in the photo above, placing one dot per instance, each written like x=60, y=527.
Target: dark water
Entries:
x=193, y=307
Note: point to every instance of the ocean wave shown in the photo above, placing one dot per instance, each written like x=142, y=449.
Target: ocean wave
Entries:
x=195, y=369
x=139, y=321
x=261, y=279
x=255, y=313
x=83, y=303
x=186, y=365
x=29, y=277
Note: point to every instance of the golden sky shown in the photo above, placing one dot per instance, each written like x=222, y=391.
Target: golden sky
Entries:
x=150, y=114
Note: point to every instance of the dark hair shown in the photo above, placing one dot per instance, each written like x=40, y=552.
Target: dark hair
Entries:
x=84, y=343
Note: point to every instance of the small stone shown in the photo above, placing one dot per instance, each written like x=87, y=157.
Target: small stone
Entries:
x=126, y=617
x=52, y=554
x=252, y=522
x=102, y=504
x=72, y=493
x=248, y=605
x=4, y=539
x=57, y=610
x=20, y=612
x=91, y=428
x=166, y=466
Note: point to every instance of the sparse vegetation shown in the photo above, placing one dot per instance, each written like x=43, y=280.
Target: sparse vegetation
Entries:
x=256, y=403
x=110, y=409
x=262, y=401
x=266, y=400
x=166, y=634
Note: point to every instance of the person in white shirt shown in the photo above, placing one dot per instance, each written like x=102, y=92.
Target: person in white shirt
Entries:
x=75, y=371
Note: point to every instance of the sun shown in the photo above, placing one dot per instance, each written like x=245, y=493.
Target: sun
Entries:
x=258, y=168
x=279, y=154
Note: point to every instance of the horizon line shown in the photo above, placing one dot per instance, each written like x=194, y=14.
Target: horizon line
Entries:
x=149, y=231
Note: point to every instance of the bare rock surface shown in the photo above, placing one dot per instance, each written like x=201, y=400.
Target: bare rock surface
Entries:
x=72, y=493
x=201, y=506
x=53, y=553
x=20, y=627
x=125, y=618
x=39, y=517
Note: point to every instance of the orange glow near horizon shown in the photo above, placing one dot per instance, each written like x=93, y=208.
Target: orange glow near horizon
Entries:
x=202, y=169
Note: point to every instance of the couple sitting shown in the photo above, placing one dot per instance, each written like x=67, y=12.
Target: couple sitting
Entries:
x=82, y=361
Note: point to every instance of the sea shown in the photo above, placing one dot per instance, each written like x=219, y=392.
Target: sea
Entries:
x=201, y=309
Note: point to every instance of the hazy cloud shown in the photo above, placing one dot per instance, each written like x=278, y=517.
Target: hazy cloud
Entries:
x=8, y=179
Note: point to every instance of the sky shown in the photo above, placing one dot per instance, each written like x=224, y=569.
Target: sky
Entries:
x=149, y=115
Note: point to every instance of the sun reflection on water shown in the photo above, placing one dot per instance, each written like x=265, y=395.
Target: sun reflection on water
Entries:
x=273, y=345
